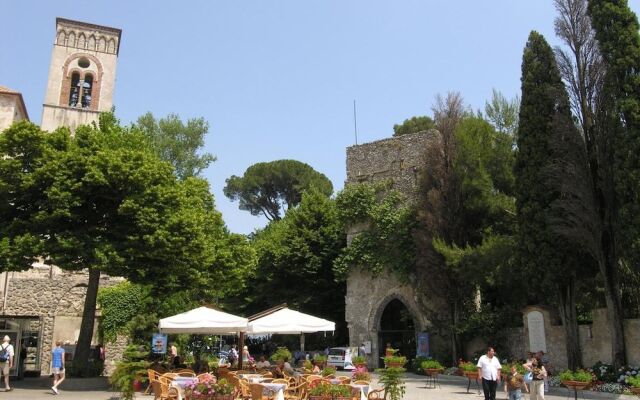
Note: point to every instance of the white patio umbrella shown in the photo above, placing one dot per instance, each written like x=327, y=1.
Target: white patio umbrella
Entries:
x=203, y=321
x=287, y=321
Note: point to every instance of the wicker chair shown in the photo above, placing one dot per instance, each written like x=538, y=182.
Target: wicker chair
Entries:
x=166, y=392
x=298, y=392
x=378, y=394
x=153, y=377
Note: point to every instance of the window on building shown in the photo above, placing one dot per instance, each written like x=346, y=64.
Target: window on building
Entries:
x=74, y=92
x=86, y=90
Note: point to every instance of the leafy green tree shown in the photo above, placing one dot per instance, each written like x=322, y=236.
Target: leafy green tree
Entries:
x=616, y=28
x=553, y=189
x=102, y=200
x=503, y=113
x=295, y=259
x=178, y=143
x=414, y=125
x=268, y=187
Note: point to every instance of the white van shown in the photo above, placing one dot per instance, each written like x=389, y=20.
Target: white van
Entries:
x=340, y=358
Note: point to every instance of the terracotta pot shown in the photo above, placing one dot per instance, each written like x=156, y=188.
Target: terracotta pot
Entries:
x=576, y=385
x=395, y=364
x=137, y=385
x=635, y=390
x=323, y=397
x=470, y=375
x=433, y=371
x=361, y=365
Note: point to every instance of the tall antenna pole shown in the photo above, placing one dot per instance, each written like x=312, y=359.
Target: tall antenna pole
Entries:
x=355, y=121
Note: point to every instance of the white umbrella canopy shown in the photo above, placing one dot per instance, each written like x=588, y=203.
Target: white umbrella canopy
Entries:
x=203, y=321
x=287, y=321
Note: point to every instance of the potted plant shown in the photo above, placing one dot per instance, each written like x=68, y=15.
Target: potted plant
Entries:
x=307, y=365
x=395, y=361
x=431, y=367
x=391, y=380
x=328, y=371
x=359, y=361
x=340, y=392
x=319, y=390
x=360, y=374
x=576, y=380
x=320, y=360
x=281, y=354
x=223, y=390
x=634, y=384
x=469, y=369
x=132, y=369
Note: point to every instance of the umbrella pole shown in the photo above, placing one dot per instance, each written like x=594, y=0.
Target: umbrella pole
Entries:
x=241, y=346
x=302, y=342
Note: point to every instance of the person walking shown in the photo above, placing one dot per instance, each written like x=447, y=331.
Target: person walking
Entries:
x=6, y=360
x=536, y=387
x=489, y=369
x=514, y=383
x=57, y=366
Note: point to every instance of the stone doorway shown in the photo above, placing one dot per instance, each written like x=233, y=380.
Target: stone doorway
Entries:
x=397, y=327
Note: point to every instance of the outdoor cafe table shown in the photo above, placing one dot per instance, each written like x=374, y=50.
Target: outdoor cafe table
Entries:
x=278, y=388
x=364, y=390
x=180, y=383
x=250, y=377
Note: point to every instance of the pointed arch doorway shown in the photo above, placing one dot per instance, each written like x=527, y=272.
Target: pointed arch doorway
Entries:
x=397, y=326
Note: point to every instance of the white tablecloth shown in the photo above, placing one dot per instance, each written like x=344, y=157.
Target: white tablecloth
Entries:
x=181, y=382
x=278, y=388
x=364, y=390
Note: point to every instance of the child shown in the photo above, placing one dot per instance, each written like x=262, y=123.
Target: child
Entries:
x=514, y=383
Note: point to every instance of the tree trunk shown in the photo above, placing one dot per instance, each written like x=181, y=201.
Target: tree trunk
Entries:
x=83, y=348
x=568, y=314
x=609, y=271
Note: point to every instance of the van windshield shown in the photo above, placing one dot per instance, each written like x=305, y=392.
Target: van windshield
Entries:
x=336, y=352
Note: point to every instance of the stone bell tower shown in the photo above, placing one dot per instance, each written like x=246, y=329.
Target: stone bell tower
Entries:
x=82, y=74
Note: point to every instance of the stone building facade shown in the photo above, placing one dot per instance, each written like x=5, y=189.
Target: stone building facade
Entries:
x=12, y=108
x=401, y=161
x=45, y=304
x=82, y=74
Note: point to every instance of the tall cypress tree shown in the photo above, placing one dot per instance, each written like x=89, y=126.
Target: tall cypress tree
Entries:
x=616, y=28
x=551, y=154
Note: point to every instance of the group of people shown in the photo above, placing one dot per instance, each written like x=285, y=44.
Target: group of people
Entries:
x=489, y=369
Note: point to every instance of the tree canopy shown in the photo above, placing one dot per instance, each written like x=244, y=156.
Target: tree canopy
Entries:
x=177, y=142
x=414, y=125
x=269, y=187
x=102, y=200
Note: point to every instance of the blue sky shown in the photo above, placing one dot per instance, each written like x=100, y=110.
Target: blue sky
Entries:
x=277, y=79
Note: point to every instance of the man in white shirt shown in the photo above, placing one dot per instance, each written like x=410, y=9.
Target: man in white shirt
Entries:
x=489, y=369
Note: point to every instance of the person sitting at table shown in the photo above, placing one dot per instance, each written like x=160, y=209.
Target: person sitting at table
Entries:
x=263, y=363
x=278, y=371
x=287, y=367
x=316, y=368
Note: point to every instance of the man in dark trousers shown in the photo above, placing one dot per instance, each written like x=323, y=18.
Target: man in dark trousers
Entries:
x=489, y=369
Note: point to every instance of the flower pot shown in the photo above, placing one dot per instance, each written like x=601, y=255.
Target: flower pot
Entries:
x=471, y=375
x=576, y=385
x=361, y=365
x=391, y=364
x=323, y=397
x=432, y=371
x=137, y=385
x=635, y=390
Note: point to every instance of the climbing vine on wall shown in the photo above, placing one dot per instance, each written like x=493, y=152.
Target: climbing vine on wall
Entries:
x=385, y=240
x=119, y=304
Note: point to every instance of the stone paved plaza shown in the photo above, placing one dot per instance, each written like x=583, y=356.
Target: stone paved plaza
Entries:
x=450, y=388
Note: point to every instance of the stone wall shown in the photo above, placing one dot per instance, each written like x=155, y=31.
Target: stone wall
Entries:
x=56, y=298
x=400, y=160
x=595, y=340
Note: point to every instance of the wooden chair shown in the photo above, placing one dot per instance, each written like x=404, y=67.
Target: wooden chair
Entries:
x=170, y=375
x=283, y=381
x=312, y=378
x=298, y=392
x=267, y=374
x=244, y=392
x=257, y=391
x=153, y=376
x=361, y=383
x=187, y=373
x=378, y=394
x=344, y=380
x=166, y=392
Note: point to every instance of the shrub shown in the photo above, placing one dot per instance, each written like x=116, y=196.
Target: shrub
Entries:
x=359, y=360
x=431, y=364
x=319, y=388
x=579, y=376
x=634, y=381
x=281, y=354
x=340, y=391
x=468, y=366
x=328, y=371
